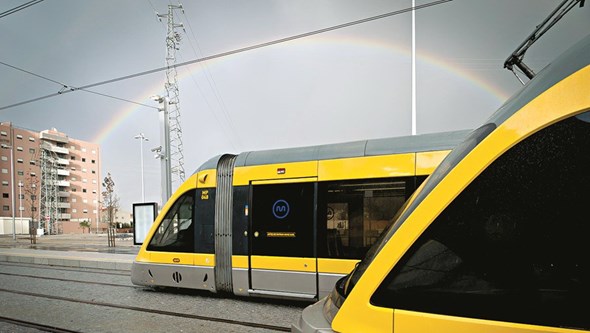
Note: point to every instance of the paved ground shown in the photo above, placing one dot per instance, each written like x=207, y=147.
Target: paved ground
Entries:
x=73, y=242
x=78, y=250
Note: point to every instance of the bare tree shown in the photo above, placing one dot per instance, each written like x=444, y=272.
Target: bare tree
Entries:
x=31, y=189
x=110, y=200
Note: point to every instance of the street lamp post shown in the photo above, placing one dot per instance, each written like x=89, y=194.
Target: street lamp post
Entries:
x=164, y=149
x=141, y=138
x=5, y=146
x=20, y=204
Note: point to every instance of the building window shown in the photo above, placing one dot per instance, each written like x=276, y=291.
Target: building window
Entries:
x=33, y=209
x=32, y=162
x=85, y=211
x=74, y=200
x=93, y=161
x=83, y=170
x=32, y=139
x=5, y=195
x=74, y=210
x=19, y=148
x=33, y=174
x=84, y=150
x=83, y=159
x=4, y=170
x=4, y=158
x=72, y=148
x=94, y=191
x=18, y=136
x=84, y=180
x=73, y=189
x=32, y=150
x=4, y=183
x=94, y=152
x=5, y=208
x=73, y=158
x=33, y=197
x=20, y=160
x=84, y=190
x=3, y=133
x=20, y=173
x=94, y=181
x=21, y=196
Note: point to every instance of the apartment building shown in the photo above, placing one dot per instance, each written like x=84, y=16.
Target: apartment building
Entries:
x=50, y=178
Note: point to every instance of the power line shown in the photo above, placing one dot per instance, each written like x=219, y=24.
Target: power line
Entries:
x=66, y=88
x=236, y=51
x=18, y=8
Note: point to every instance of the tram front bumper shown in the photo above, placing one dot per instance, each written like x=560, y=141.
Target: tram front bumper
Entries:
x=312, y=320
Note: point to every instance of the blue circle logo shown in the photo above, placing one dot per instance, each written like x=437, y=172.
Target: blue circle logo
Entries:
x=280, y=209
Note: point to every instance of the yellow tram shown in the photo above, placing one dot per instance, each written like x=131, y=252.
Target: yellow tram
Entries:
x=496, y=239
x=285, y=223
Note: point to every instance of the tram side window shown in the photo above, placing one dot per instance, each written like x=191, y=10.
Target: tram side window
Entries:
x=513, y=245
x=356, y=213
x=176, y=231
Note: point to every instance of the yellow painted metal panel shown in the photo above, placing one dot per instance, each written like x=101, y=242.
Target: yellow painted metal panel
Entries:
x=172, y=258
x=408, y=321
x=566, y=98
x=204, y=259
x=367, y=167
x=338, y=266
x=243, y=175
x=239, y=261
x=207, y=178
x=283, y=263
x=426, y=162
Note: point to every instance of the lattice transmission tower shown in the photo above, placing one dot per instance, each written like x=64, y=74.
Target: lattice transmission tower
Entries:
x=173, y=39
x=49, y=212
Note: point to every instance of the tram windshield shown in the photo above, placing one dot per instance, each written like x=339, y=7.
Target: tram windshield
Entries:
x=472, y=140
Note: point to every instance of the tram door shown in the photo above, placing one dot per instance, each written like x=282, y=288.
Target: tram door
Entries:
x=281, y=238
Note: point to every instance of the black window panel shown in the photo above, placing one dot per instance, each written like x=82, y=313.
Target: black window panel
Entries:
x=240, y=221
x=282, y=220
x=352, y=214
x=512, y=246
x=176, y=232
x=205, y=220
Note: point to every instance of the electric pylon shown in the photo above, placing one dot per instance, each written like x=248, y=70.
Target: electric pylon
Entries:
x=173, y=39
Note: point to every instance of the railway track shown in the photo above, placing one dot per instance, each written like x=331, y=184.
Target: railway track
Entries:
x=30, y=274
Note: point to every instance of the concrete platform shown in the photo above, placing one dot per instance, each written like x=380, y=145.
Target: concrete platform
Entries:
x=86, y=251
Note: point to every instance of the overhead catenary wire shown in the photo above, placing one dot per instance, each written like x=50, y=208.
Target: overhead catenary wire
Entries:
x=66, y=88
x=19, y=8
x=236, y=51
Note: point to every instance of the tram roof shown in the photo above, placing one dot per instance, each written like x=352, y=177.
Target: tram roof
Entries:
x=570, y=61
x=371, y=147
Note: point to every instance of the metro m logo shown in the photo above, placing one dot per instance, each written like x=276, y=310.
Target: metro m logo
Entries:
x=280, y=209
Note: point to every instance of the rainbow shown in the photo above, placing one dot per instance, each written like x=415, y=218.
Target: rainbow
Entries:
x=316, y=42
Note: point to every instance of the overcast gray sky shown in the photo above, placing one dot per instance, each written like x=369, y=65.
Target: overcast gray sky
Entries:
x=344, y=85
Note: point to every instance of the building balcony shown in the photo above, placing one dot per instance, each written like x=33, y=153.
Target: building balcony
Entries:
x=64, y=216
x=63, y=183
x=63, y=205
x=63, y=161
x=63, y=172
x=63, y=194
x=44, y=135
x=53, y=148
